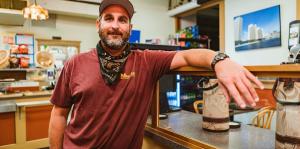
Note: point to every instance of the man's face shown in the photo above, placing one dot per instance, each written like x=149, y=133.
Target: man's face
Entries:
x=114, y=27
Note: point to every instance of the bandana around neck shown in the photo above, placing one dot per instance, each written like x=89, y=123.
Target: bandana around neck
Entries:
x=111, y=66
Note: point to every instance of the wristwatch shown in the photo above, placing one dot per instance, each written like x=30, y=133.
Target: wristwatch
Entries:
x=219, y=57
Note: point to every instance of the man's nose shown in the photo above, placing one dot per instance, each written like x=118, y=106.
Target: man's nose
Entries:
x=115, y=24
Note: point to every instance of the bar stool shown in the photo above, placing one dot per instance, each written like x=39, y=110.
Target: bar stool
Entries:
x=263, y=118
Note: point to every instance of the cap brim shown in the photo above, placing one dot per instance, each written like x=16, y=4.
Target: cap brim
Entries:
x=124, y=3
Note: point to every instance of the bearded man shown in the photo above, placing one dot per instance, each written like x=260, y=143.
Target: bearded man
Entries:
x=111, y=87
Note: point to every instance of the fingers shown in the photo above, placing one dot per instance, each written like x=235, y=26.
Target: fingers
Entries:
x=251, y=89
x=225, y=92
x=237, y=82
x=235, y=94
x=254, y=79
x=241, y=89
x=244, y=90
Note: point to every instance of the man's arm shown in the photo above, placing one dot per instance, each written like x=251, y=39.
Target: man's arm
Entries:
x=234, y=79
x=57, y=125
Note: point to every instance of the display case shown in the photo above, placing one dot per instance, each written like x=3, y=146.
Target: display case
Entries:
x=62, y=50
x=189, y=91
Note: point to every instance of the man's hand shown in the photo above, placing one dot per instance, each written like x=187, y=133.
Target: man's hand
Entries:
x=236, y=81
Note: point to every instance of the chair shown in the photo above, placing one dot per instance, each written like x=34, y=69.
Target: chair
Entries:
x=196, y=104
x=263, y=118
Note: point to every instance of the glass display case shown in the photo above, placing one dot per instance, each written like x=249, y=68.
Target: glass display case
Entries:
x=61, y=50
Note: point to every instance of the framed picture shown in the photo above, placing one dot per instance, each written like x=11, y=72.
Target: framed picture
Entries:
x=259, y=29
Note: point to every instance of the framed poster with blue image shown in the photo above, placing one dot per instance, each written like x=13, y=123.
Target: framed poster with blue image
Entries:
x=258, y=29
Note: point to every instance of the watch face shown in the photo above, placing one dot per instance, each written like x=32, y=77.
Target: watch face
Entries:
x=217, y=58
x=221, y=56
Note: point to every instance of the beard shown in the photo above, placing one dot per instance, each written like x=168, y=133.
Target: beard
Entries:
x=117, y=41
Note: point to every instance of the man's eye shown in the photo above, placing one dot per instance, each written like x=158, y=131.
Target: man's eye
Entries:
x=109, y=19
x=123, y=20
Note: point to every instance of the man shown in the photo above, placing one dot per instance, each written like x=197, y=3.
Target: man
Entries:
x=111, y=87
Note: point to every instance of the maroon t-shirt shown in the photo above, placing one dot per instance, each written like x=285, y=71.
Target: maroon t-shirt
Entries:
x=106, y=116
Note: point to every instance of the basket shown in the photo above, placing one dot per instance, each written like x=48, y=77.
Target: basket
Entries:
x=4, y=59
x=44, y=59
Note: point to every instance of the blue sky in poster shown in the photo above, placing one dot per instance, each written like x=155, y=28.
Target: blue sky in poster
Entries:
x=268, y=19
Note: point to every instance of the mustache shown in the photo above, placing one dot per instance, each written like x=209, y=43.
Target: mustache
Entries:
x=115, y=32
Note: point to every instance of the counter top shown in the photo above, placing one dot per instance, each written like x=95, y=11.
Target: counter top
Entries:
x=189, y=124
x=287, y=70
x=25, y=95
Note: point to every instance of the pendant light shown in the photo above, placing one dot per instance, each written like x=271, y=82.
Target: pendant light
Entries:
x=35, y=12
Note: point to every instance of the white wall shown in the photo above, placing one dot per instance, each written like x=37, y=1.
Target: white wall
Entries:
x=188, y=21
x=69, y=28
x=267, y=56
x=150, y=18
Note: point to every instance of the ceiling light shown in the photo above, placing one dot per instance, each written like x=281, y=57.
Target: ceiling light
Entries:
x=35, y=12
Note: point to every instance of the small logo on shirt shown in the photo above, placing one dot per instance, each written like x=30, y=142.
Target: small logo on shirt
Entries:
x=125, y=76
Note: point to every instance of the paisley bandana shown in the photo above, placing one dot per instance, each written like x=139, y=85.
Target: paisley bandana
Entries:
x=111, y=66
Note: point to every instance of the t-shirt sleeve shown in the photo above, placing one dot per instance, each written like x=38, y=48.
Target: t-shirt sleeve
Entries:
x=159, y=62
x=62, y=96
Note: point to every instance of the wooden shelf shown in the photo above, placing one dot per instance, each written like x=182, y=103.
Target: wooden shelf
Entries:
x=288, y=70
x=183, y=8
x=64, y=43
x=11, y=17
x=22, y=69
x=194, y=40
x=141, y=46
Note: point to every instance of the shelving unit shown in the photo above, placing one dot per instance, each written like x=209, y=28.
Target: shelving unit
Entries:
x=193, y=40
x=11, y=17
x=189, y=92
x=208, y=15
x=11, y=12
x=206, y=43
x=182, y=8
x=28, y=40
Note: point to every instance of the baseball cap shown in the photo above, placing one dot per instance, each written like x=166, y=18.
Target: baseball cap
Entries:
x=126, y=4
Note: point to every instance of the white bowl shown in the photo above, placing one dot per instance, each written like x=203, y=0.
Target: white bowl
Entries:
x=44, y=59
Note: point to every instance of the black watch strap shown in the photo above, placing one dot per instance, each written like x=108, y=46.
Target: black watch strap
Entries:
x=218, y=57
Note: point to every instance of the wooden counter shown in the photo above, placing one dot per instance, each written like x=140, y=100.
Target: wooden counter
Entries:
x=190, y=125
x=289, y=71
x=234, y=139
x=26, y=95
x=27, y=125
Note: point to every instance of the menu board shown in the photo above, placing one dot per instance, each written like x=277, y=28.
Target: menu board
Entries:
x=28, y=40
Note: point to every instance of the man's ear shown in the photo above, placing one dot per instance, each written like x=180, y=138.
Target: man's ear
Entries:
x=98, y=25
x=130, y=28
